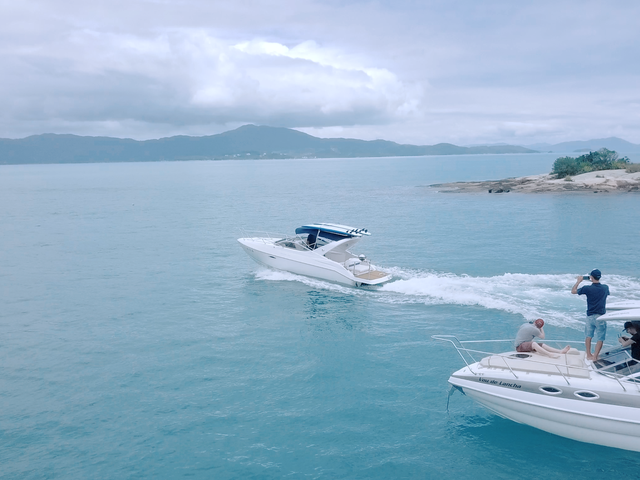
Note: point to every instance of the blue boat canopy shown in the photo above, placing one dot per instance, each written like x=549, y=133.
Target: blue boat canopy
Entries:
x=332, y=231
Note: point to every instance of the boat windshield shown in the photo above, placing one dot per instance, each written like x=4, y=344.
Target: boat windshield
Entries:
x=296, y=243
x=310, y=239
x=323, y=236
x=617, y=360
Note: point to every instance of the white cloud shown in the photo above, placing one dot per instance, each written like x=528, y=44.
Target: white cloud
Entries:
x=462, y=72
x=204, y=79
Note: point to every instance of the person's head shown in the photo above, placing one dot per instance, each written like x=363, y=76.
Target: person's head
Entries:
x=632, y=327
x=539, y=323
x=595, y=275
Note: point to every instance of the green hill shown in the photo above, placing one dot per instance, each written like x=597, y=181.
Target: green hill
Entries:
x=246, y=142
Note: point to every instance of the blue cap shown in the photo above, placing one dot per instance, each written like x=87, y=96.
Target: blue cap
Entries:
x=596, y=274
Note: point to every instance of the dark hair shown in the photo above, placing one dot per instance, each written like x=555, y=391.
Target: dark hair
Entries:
x=311, y=240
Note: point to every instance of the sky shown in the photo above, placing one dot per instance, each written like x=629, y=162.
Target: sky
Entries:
x=412, y=71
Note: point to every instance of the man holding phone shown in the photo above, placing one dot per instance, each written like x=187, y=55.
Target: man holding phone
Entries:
x=596, y=306
x=634, y=329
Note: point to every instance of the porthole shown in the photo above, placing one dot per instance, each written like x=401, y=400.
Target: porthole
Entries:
x=586, y=395
x=551, y=390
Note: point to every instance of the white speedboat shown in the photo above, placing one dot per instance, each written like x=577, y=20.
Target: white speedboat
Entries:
x=319, y=250
x=595, y=402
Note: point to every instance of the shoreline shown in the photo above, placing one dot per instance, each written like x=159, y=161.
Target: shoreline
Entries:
x=602, y=181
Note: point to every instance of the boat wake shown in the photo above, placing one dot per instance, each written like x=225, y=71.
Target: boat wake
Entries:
x=532, y=296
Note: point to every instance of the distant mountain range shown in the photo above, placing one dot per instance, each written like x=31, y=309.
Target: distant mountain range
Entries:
x=250, y=142
x=612, y=143
x=246, y=142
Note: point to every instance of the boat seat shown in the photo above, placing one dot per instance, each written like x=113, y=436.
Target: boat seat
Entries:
x=536, y=363
x=351, y=263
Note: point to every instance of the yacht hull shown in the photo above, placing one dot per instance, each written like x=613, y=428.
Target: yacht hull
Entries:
x=623, y=305
x=307, y=263
x=614, y=424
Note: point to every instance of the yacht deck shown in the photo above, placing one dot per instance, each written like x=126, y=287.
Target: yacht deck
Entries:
x=571, y=364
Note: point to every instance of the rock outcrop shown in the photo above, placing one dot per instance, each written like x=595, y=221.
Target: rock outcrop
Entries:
x=592, y=182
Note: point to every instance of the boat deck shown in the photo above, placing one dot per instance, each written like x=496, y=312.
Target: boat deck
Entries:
x=372, y=275
x=571, y=364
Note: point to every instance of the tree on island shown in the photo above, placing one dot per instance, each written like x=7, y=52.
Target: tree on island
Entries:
x=603, y=159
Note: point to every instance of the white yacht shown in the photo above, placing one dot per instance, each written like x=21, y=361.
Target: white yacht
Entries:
x=623, y=305
x=589, y=401
x=629, y=315
x=319, y=250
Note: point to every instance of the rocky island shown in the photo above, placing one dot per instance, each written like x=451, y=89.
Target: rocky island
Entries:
x=601, y=181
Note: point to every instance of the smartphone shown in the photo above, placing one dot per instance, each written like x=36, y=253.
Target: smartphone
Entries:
x=586, y=277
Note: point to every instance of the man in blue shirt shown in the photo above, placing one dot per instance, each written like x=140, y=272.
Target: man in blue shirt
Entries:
x=596, y=305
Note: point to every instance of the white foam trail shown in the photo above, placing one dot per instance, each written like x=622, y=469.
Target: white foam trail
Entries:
x=532, y=296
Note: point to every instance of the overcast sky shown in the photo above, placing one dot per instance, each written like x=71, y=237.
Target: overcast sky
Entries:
x=411, y=71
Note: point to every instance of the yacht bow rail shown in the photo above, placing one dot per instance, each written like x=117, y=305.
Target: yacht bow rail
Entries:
x=467, y=355
x=270, y=237
x=262, y=234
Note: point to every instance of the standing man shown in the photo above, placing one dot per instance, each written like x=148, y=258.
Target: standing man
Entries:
x=596, y=305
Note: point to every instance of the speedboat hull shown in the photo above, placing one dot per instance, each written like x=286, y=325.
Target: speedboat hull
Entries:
x=581, y=419
x=589, y=401
x=308, y=263
x=623, y=305
x=621, y=315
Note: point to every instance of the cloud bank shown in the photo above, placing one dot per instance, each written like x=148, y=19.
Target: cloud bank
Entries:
x=423, y=73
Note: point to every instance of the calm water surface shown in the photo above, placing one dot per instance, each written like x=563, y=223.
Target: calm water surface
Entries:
x=137, y=340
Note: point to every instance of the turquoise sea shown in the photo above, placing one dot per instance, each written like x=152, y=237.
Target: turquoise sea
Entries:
x=137, y=339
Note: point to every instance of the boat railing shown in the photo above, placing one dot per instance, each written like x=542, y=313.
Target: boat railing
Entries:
x=621, y=370
x=353, y=267
x=261, y=234
x=468, y=355
x=465, y=353
x=270, y=237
